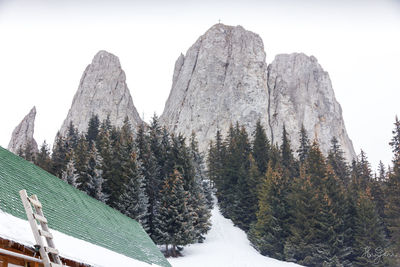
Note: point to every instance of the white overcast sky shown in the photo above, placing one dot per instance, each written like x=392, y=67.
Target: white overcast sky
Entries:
x=45, y=46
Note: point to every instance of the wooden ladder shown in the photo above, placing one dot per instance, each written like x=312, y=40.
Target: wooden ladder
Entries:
x=46, y=252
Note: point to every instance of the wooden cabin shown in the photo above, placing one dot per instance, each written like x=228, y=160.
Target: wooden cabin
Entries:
x=86, y=231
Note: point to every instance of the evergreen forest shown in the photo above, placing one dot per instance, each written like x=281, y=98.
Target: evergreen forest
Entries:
x=295, y=203
x=149, y=175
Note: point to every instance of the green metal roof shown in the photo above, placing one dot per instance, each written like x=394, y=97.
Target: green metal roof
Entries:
x=72, y=212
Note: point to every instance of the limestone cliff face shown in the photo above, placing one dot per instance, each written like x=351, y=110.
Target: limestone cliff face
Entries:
x=224, y=78
x=221, y=80
x=22, y=135
x=301, y=93
x=102, y=91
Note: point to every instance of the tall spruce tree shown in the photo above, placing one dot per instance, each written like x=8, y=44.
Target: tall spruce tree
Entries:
x=392, y=205
x=269, y=232
x=151, y=173
x=42, y=158
x=260, y=148
x=338, y=162
x=317, y=231
x=93, y=129
x=81, y=159
x=70, y=175
x=134, y=201
x=216, y=163
x=381, y=172
x=287, y=158
x=174, y=218
x=59, y=157
x=369, y=236
x=95, y=175
x=304, y=145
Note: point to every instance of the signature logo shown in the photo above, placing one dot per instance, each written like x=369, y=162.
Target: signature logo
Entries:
x=378, y=254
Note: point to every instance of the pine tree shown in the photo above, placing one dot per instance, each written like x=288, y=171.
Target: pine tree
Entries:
x=81, y=157
x=174, y=218
x=216, y=161
x=200, y=171
x=317, y=233
x=93, y=129
x=201, y=213
x=254, y=182
x=305, y=203
x=70, y=175
x=381, y=172
x=369, y=237
x=338, y=162
x=304, y=145
x=134, y=202
x=104, y=148
x=117, y=173
x=43, y=159
x=269, y=232
x=72, y=137
x=392, y=205
x=287, y=158
x=27, y=152
x=95, y=175
x=59, y=156
x=235, y=204
x=260, y=148
x=150, y=170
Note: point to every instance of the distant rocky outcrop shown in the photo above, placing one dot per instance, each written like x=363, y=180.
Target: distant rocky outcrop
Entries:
x=301, y=93
x=22, y=136
x=102, y=91
x=224, y=78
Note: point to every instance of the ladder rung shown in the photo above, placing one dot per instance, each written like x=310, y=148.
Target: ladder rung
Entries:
x=45, y=233
x=51, y=250
x=40, y=218
x=35, y=203
x=52, y=264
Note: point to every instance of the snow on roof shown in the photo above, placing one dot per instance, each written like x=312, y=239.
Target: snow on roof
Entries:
x=73, y=213
x=18, y=230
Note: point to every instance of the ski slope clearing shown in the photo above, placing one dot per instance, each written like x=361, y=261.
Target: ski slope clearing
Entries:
x=225, y=246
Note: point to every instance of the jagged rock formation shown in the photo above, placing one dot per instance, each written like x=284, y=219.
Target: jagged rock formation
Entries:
x=221, y=80
x=102, y=91
x=22, y=136
x=301, y=93
x=224, y=78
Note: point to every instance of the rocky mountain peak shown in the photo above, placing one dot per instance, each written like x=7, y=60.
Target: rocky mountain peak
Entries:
x=224, y=78
x=102, y=91
x=301, y=93
x=104, y=58
x=22, y=136
x=215, y=84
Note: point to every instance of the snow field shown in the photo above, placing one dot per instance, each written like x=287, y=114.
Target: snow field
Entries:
x=225, y=246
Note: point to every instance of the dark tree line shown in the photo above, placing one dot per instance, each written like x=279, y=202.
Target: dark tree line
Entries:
x=304, y=207
x=151, y=176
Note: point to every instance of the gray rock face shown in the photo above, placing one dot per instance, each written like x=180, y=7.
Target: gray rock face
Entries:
x=102, y=91
x=22, y=135
x=221, y=80
x=301, y=93
x=224, y=78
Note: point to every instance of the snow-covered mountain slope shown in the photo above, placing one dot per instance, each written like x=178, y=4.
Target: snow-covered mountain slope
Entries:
x=225, y=246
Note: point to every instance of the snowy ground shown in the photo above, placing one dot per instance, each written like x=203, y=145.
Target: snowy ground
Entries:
x=225, y=246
